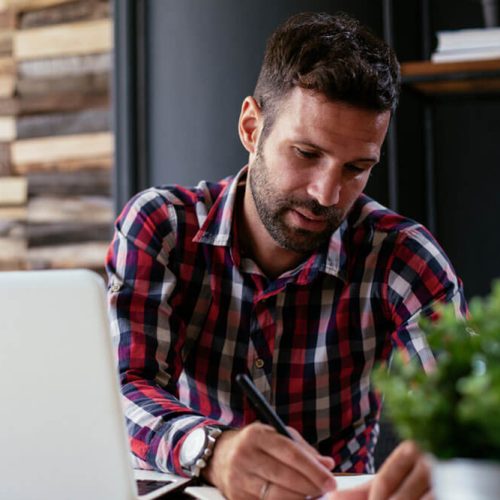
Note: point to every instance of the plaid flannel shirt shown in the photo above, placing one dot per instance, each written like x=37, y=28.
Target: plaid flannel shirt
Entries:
x=189, y=312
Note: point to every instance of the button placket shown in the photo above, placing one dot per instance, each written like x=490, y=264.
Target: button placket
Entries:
x=262, y=339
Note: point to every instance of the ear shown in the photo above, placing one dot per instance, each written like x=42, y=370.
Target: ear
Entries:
x=250, y=124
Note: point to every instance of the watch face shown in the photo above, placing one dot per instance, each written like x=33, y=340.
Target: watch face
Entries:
x=193, y=447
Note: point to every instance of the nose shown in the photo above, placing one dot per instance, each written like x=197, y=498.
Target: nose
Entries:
x=326, y=185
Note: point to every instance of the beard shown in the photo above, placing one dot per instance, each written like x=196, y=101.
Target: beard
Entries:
x=272, y=208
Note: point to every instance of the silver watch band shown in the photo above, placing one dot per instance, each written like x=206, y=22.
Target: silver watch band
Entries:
x=212, y=433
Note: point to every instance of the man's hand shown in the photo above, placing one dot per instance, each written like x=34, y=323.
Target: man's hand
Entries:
x=405, y=475
x=256, y=463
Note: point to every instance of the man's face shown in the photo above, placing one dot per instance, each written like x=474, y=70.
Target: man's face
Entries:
x=312, y=166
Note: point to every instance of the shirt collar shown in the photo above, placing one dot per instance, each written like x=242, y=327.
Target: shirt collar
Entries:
x=217, y=230
x=335, y=262
x=330, y=259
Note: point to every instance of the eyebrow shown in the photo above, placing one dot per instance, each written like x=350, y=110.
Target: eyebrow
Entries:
x=315, y=146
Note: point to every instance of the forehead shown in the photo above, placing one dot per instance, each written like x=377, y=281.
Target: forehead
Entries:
x=310, y=117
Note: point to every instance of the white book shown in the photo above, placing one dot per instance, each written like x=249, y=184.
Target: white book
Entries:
x=468, y=39
x=467, y=55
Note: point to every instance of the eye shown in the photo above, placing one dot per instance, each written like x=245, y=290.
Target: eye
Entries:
x=308, y=155
x=353, y=169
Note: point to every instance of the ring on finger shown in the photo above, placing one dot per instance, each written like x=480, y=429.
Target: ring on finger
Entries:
x=264, y=490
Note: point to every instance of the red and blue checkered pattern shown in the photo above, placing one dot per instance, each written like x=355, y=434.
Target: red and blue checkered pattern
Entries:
x=189, y=312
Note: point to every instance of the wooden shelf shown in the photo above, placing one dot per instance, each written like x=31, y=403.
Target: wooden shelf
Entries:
x=452, y=77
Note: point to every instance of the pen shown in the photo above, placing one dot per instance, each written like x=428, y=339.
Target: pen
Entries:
x=264, y=411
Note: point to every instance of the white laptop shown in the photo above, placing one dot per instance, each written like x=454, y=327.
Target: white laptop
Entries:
x=62, y=430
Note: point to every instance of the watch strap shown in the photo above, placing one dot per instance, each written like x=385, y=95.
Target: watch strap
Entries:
x=201, y=461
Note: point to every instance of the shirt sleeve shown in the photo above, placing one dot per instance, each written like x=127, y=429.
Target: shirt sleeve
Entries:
x=140, y=285
x=419, y=277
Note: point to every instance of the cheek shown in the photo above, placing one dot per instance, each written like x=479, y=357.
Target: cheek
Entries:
x=295, y=185
x=360, y=184
x=353, y=189
x=364, y=181
x=285, y=176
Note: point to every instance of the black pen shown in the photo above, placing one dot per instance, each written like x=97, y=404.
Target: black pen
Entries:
x=264, y=411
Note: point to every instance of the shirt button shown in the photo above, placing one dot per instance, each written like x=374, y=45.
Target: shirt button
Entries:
x=115, y=287
x=259, y=363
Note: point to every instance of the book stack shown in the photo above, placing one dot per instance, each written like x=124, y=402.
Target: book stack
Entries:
x=57, y=126
x=467, y=45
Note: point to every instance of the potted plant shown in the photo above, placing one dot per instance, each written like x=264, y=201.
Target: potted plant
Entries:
x=454, y=411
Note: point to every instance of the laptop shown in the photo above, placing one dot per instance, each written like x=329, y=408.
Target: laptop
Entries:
x=62, y=429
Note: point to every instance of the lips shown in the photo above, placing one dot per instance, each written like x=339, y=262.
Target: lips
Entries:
x=309, y=216
x=308, y=221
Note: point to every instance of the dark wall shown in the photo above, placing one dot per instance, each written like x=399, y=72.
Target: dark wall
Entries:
x=468, y=186
x=202, y=58
x=466, y=154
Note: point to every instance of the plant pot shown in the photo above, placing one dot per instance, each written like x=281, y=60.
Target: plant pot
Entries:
x=466, y=479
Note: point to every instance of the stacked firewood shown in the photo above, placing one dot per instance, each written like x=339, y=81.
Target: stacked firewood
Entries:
x=56, y=144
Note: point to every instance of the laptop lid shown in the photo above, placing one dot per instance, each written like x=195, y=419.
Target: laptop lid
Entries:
x=62, y=432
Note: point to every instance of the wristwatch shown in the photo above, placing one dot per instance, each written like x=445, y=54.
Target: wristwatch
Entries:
x=197, y=449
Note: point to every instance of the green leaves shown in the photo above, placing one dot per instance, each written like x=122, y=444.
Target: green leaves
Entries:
x=454, y=411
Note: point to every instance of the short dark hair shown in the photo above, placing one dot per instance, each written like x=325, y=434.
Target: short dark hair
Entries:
x=331, y=54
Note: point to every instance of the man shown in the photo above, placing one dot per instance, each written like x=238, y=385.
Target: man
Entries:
x=286, y=272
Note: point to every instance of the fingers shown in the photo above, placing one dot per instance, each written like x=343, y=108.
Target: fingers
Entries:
x=265, y=490
x=245, y=461
x=416, y=485
x=299, y=457
x=268, y=468
x=429, y=496
x=404, y=475
x=328, y=462
x=358, y=493
x=285, y=462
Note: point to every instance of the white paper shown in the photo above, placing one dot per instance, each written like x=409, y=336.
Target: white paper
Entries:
x=211, y=493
